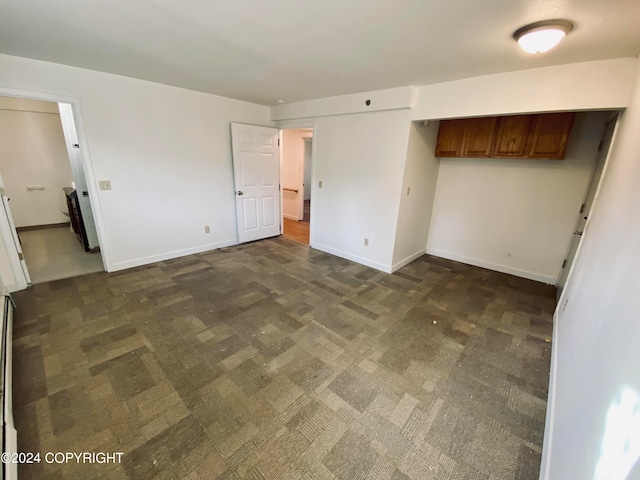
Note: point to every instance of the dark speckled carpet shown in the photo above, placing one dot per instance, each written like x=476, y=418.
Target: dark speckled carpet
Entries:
x=272, y=360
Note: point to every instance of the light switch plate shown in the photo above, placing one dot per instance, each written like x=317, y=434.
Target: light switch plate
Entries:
x=104, y=184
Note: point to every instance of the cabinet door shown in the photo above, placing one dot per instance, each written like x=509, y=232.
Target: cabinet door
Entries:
x=450, y=138
x=478, y=135
x=549, y=135
x=511, y=136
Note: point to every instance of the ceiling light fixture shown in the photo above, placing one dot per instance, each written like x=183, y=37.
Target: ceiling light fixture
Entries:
x=542, y=36
x=279, y=101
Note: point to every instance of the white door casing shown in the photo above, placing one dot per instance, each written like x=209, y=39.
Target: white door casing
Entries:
x=585, y=211
x=77, y=168
x=256, y=172
x=17, y=275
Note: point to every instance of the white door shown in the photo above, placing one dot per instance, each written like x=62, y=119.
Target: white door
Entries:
x=256, y=172
x=585, y=210
x=13, y=268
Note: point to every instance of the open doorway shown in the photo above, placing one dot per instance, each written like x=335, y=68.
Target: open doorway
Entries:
x=296, y=178
x=590, y=196
x=43, y=177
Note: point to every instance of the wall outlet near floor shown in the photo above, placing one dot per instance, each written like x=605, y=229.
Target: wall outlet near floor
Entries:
x=366, y=242
x=509, y=255
x=104, y=184
x=207, y=229
x=408, y=191
x=320, y=184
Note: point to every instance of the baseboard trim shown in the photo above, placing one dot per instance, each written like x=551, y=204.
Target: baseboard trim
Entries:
x=547, y=444
x=408, y=260
x=42, y=227
x=354, y=258
x=138, y=262
x=493, y=266
x=290, y=217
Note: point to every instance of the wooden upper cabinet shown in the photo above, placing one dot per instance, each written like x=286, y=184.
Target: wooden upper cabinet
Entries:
x=549, y=135
x=478, y=135
x=450, y=137
x=515, y=136
x=510, y=140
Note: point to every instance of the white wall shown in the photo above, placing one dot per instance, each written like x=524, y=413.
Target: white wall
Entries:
x=379, y=100
x=33, y=153
x=603, y=84
x=417, y=194
x=308, y=167
x=292, y=172
x=360, y=160
x=485, y=208
x=166, y=151
x=596, y=354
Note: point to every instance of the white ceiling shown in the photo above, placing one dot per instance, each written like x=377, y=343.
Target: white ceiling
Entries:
x=261, y=51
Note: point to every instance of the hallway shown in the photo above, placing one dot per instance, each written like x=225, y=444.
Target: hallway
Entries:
x=56, y=253
x=299, y=230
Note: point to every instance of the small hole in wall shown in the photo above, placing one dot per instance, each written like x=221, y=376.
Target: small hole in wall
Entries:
x=367, y=102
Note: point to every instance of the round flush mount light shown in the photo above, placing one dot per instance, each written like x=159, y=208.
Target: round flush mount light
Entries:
x=542, y=36
x=280, y=101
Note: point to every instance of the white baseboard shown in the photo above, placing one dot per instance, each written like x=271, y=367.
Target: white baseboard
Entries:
x=538, y=277
x=547, y=444
x=290, y=217
x=137, y=262
x=407, y=260
x=354, y=258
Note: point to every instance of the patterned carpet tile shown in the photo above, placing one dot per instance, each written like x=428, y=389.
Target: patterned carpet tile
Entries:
x=271, y=360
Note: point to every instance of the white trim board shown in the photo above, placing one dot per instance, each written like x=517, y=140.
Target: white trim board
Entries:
x=493, y=266
x=408, y=260
x=138, y=262
x=547, y=443
x=353, y=258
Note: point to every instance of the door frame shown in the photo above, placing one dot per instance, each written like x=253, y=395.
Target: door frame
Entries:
x=568, y=284
x=306, y=188
x=291, y=124
x=85, y=158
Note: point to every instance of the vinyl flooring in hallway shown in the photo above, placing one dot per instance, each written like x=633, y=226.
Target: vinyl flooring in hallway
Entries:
x=55, y=253
x=272, y=360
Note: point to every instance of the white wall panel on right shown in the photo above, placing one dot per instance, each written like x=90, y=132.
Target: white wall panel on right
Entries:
x=486, y=209
x=593, y=414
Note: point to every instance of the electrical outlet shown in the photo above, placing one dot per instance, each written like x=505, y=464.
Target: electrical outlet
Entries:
x=104, y=185
x=320, y=184
x=207, y=229
x=509, y=255
x=408, y=191
x=366, y=242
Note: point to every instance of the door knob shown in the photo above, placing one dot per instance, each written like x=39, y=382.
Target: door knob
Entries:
x=240, y=192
